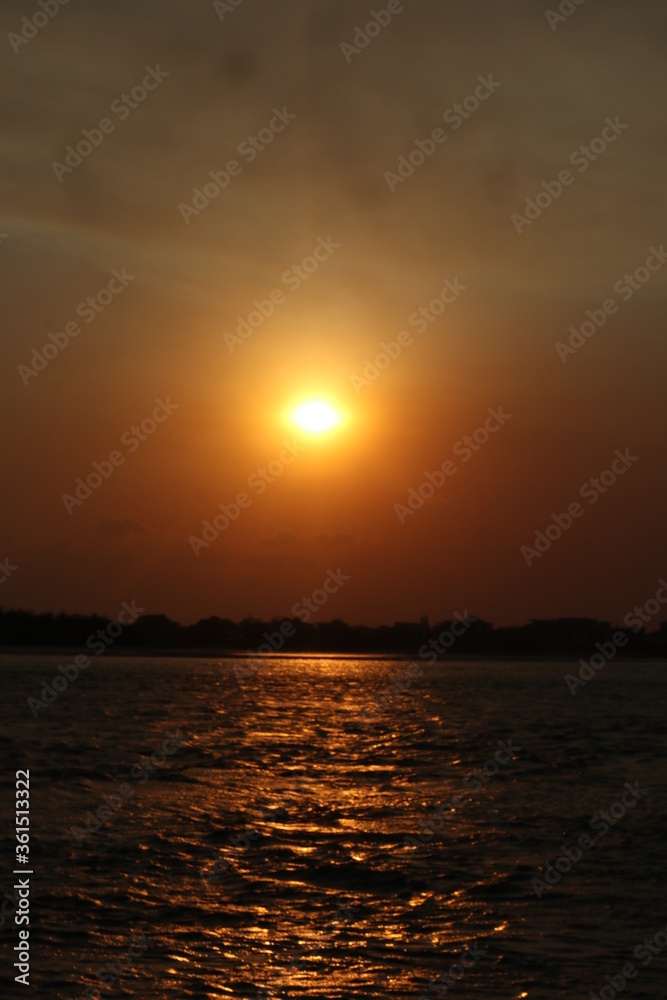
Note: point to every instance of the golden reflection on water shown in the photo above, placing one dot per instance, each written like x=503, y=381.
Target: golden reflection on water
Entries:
x=352, y=799
x=290, y=845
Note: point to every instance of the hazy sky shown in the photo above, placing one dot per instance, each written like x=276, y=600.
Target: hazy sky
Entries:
x=325, y=180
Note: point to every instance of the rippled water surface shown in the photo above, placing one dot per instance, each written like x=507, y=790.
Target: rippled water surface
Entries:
x=291, y=846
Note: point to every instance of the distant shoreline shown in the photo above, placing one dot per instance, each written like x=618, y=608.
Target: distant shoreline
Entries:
x=216, y=654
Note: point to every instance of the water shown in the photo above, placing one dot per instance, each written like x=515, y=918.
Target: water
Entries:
x=266, y=855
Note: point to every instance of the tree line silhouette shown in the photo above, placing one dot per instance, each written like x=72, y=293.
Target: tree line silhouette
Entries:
x=471, y=636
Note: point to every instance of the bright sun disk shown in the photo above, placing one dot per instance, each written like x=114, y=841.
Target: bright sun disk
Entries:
x=316, y=416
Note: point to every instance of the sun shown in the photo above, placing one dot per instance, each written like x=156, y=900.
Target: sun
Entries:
x=316, y=416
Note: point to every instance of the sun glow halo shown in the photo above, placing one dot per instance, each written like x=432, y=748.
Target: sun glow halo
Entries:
x=316, y=416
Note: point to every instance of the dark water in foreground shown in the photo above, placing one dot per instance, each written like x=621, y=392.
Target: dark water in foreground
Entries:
x=266, y=856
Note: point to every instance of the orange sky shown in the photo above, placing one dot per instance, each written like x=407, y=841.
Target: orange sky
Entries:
x=316, y=182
